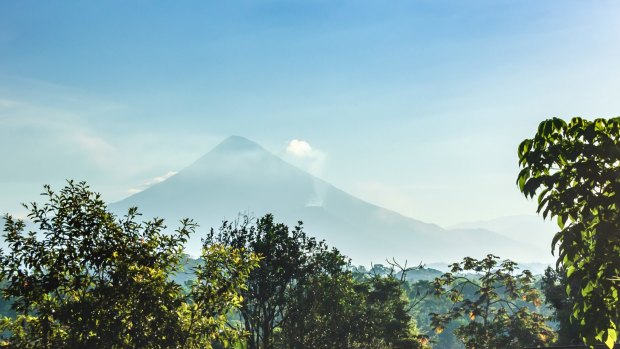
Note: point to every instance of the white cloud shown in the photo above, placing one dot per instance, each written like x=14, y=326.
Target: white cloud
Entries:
x=151, y=182
x=299, y=148
x=301, y=153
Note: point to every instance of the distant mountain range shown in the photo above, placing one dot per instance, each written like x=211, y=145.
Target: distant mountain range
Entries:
x=239, y=175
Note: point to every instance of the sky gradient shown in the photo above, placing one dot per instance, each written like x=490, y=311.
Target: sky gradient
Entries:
x=417, y=106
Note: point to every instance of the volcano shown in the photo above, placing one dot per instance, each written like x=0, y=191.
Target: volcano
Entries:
x=240, y=176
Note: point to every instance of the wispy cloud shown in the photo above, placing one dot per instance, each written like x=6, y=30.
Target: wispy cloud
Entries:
x=151, y=182
x=7, y=103
x=98, y=148
x=58, y=132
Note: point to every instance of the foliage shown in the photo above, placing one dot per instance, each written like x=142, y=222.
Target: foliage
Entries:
x=214, y=294
x=287, y=258
x=86, y=279
x=341, y=312
x=495, y=302
x=319, y=307
x=423, y=304
x=384, y=320
x=554, y=288
x=574, y=169
x=303, y=294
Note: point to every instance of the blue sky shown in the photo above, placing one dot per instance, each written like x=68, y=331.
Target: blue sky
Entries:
x=414, y=105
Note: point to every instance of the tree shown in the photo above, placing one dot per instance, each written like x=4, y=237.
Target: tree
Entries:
x=384, y=321
x=215, y=294
x=553, y=285
x=302, y=294
x=287, y=258
x=336, y=310
x=85, y=279
x=496, y=303
x=574, y=170
x=320, y=307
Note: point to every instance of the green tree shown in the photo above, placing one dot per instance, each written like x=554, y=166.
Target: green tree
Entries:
x=287, y=258
x=496, y=303
x=553, y=285
x=215, y=294
x=384, y=320
x=302, y=294
x=320, y=307
x=574, y=170
x=86, y=279
x=337, y=311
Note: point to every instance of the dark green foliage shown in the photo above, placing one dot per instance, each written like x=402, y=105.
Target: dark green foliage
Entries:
x=344, y=313
x=574, y=170
x=86, y=279
x=320, y=310
x=288, y=257
x=554, y=288
x=495, y=302
x=334, y=309
x=303, y=294
x=384, y=321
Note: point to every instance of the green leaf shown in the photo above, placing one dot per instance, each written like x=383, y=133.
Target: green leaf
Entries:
x=561, y=218
x=612, y=336
x=587, y=289
x=570, y=270
x=524, y=147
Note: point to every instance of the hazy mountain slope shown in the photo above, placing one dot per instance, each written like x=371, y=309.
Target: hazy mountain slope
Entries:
x=525, y=228
x=239, y=175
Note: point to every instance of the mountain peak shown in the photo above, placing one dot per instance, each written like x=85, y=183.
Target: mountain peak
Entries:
x=230, y=156
x=235, y=144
